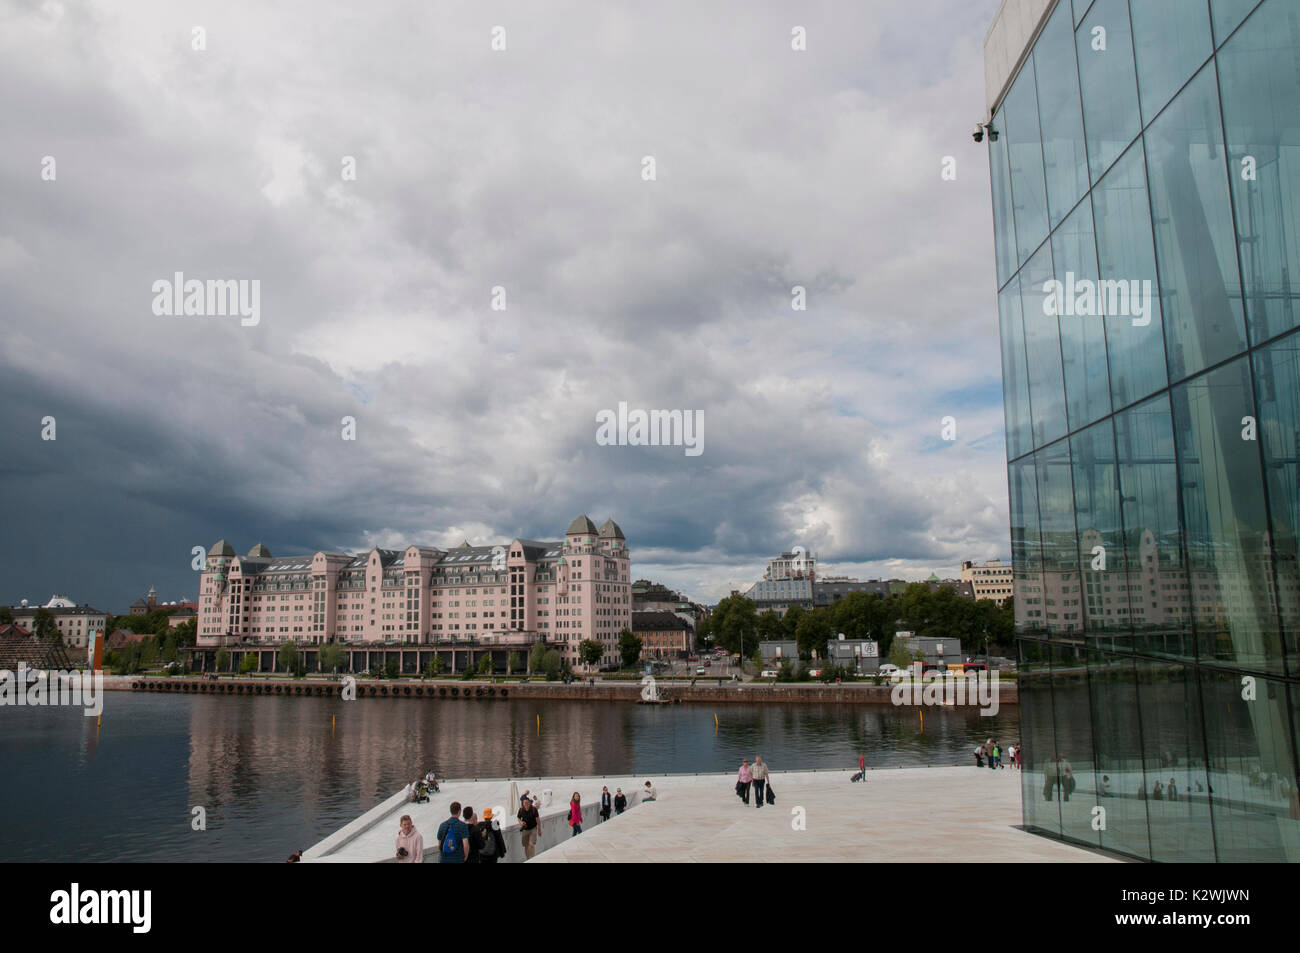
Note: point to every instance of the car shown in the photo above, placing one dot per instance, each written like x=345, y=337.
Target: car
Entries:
x=701, y=671
x=768, y=673
x=708, y=664
x=814, y=673
x=888, y=669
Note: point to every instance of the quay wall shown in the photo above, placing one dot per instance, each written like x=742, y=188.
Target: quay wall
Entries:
x=458, y=691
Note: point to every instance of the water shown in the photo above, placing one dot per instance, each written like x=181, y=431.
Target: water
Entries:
x=273, y=777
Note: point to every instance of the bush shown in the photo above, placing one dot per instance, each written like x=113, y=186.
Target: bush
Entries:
x=248, y=663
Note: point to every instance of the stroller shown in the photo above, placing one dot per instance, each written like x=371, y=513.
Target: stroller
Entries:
x=858, y=777
x=421, y=793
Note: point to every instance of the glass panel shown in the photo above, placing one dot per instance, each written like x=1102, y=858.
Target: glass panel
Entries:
x=1026, y=548
x=1134, y=335
x=1075, y=781
x=1173, y=751
x=1015, y=377
x=1037, y=737
x=1061, y=611
x=1229, y=558
x=1101, y=537
x=1108, y=82
x=1025, y=149
x=1080, y=8
x=1065, y=155
x=1277, y=389
x=1117, y=740
x=1252, y=770
x=1171, y=39
x=1083, y=337
x=1042, y=351
x=1227, y=14
x=1153, y=594
x=1259, y=77
x=1200, y=289
x=1004, y=228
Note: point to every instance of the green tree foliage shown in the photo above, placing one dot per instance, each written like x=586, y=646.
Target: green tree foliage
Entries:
x=485, y=664
x=223, y=659
x=551, y=665
x=590, y=652
x=289, y=657
x=6, y=615
x=734, y=621
x=790, y=622
x=814, y=630
x=391, y=669
x=43, y=626
x=537, y=658
x=514, y=662
x=439, y=664
x=629, y=646
x=248, y=663
x=331, y=657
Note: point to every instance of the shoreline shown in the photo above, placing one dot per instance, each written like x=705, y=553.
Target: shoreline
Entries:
x=459, y=691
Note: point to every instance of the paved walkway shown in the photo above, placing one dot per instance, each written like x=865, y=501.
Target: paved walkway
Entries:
x=952, y=814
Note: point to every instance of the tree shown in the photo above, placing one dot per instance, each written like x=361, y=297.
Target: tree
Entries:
x=537, y=657
x=513, y=663
x=223, y=659
x=391, y=669
x=43, y=626
x=590, y=652
x=630, y=647
x=169, y=648
x=331, y=657
x=148, y=651
x=790, y=621
x=6, y=615
x=289, y=656
x=813, y=633
x=786, y=673
x=900, y=656
x=439, y=664
x=485, y=664
x=769, y=627
x=551, y=665
x=248, y=663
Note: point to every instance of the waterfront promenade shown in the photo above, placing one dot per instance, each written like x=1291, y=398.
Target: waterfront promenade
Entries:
x=942, y=814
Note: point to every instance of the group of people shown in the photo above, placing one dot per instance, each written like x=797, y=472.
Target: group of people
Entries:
x=755, y=776
x=464, y=838
x=1167, y=792
x=417, y=792
x=993, y=753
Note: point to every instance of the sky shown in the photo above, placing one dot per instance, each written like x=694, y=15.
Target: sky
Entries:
x=465, y=252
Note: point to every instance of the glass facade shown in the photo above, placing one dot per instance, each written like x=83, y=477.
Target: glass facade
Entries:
x=1146, y=205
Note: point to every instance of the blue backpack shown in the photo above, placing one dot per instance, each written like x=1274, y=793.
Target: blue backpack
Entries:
x=451, y=843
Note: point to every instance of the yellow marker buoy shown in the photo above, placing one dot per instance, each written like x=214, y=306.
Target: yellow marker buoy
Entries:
x=715, y=721
x=921, y=712
x=539, y=724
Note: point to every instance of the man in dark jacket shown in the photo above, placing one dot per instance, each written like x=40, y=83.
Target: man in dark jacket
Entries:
x=606, y=803
x=475, y=835
x=493, y=845
x=620, y=802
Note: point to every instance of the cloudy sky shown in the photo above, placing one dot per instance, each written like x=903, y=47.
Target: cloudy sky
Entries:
x=475, y=169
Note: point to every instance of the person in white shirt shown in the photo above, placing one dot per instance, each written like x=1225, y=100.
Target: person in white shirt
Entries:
x=648, y=793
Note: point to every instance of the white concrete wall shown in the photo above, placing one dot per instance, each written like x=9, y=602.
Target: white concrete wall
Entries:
x=1014, y=26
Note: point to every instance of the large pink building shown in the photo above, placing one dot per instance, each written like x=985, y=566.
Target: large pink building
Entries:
x=506, y=596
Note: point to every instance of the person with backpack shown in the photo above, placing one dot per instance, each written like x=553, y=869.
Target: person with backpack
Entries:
x=529, y=824
x=606, y=803
x=620, y=801
x=475, y=835
x=453, y=838
x=575, y=814
x=494, y=845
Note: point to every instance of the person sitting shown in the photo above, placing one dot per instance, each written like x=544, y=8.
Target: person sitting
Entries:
x=432, y=781
x=648, y=793
x=422, y=793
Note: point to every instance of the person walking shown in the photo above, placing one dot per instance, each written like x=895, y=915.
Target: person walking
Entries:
x=620, y=801
x=759, y=774
x=494, y=845
x=410, y=843
x=529, y=823
x=862, y=765
x=743, y=780
x=453, y=838
x=575, y=814
x=606, y=803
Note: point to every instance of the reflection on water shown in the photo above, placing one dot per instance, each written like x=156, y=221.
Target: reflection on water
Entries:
x=278, y=774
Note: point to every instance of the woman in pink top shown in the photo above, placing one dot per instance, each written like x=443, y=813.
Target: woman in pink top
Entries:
x=743, y=780
x=575, y=814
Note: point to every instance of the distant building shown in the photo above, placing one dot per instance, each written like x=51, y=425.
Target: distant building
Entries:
x=992, y=580
x=75, y=623
x=936, y=650
x=147, y=604
x=123, y=637
x=662, y=634
x=18, y=646
x=861, y=655
x=832, y=589
x=778, y=651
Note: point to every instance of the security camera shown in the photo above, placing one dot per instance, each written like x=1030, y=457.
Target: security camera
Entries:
x=978, y=134
x=993, y=133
